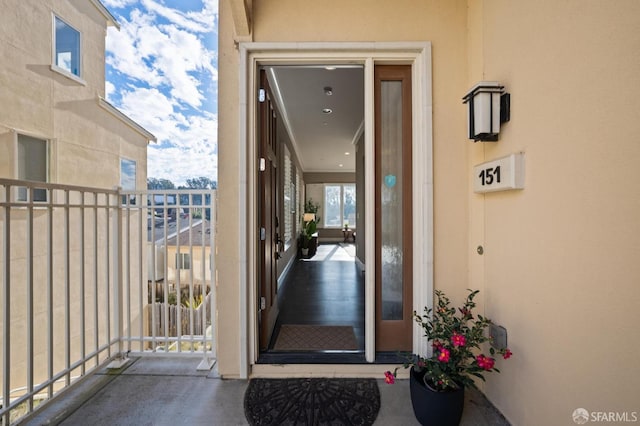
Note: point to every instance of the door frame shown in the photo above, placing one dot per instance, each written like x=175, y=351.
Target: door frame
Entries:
x=254, y=54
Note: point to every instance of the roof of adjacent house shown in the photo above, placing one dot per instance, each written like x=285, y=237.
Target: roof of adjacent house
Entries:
x=199, y=234
x=111, y=20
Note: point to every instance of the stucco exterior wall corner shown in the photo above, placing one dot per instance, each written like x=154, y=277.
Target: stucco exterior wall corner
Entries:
x=231, y=269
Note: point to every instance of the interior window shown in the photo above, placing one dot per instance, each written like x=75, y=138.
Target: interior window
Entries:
x=289, y=199
x=340, y=206
x=67, y=45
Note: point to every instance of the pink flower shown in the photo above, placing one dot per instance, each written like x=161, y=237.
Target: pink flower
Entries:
x=458, y=340
x=507, y=354
x=485, y=363
x=436, y=345
x=389, y=378
x=480, y=360
x=444, y=355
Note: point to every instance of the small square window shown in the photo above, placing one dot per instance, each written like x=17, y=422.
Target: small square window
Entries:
x=67, y=47
x=183, y=261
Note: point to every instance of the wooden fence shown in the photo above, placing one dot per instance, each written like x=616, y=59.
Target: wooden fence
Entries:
x=193, y=321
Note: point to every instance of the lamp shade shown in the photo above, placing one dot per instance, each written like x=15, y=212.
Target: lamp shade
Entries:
x=308, y=217
x=483, y=102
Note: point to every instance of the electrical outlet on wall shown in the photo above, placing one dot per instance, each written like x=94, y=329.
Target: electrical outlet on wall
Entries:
x=498, y=335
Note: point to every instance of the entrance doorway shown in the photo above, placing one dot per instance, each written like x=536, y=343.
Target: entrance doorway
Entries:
x=310, y=133
x=414, y=184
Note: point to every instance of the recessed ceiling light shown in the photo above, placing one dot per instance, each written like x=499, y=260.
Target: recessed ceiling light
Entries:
x=347, y=153
x=340, y=165
x=328, y=91
x=329, y=68
x=327, y=110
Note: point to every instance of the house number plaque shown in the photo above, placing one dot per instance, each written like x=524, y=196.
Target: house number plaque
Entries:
x=499, y=175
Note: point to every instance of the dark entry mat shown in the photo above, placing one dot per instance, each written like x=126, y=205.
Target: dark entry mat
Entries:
x=307, y=402
x=294, y=337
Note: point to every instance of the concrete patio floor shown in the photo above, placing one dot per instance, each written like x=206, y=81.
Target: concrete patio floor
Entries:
x=169, y=391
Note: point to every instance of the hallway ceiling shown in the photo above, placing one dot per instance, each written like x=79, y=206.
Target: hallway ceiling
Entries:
x=321, y=139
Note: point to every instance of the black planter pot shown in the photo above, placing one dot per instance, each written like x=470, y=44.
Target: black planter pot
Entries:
x=435, y=408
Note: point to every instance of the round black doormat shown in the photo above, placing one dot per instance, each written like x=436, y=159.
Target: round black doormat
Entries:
x=317, y=401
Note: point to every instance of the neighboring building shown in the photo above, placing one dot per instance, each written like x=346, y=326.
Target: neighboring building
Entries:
x=53, y=107
x=56, y=127
x=189, y=255
x=556, y=262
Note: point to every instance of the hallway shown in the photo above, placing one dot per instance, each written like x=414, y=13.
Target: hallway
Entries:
x=325, y=290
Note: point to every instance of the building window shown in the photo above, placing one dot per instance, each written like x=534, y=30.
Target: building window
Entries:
x=67, y=47
x=128, y=178
x=127, y=174
x=183, y=261
x=339, y=205
x=32, y=165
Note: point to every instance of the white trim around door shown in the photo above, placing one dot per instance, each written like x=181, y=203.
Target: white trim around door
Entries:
x=368, y=54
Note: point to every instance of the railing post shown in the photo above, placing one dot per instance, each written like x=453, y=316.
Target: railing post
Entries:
x=121, y=358
x=6, y=299
x=208, y=362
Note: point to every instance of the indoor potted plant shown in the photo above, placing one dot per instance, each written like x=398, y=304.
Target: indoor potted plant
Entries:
x=308, y=230
x=437, y=381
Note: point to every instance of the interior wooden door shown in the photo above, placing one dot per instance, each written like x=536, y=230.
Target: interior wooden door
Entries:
x=394, y=240
x=268, y=207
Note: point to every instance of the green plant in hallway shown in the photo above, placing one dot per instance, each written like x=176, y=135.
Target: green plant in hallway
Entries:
x=308, y=230
x=311, y=207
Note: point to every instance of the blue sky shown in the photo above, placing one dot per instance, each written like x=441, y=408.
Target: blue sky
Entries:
x=162, y=71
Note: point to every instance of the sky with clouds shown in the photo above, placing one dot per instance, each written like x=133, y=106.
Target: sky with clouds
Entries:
x=162, y=71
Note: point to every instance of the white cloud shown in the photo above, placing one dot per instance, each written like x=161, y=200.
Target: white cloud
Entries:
x=183, y=141
x=109, y=89
x=153, y=110
x=124, y=54
x=118, y=3
x=196, y=146
x=200, y=22
x=161, y=55
x=162, y=75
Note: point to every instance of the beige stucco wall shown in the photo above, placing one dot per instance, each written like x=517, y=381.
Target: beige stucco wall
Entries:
x=443, y=24
x=228, y=260
x=561, y=256
x=560, y=268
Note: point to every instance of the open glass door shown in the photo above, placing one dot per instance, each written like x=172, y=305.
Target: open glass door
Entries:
x=267, y=213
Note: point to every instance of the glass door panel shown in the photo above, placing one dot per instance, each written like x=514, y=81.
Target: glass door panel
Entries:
x=394, y=283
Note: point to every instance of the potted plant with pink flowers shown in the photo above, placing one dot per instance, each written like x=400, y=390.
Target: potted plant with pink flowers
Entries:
x=437, y=382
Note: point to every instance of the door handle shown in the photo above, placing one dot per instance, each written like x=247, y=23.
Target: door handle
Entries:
x=279, y=243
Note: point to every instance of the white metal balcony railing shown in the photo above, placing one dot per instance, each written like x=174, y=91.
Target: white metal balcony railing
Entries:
x=88, y=275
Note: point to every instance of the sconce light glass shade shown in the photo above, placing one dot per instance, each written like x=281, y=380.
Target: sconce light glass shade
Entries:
x=308, y=217
x=484, y=110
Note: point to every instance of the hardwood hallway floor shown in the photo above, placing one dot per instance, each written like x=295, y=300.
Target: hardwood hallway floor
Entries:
x=327, y=289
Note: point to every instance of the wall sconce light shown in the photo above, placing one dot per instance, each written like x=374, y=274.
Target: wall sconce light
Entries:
x=489, y=106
